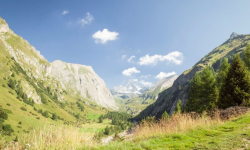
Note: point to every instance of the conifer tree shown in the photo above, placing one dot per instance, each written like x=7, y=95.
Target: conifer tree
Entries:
x=165, y=115
x=178, y=107
x=247, y=56
x=222, y=73
x=236, y=87
x=203, y=94
x=209, y=91
x=193, y=95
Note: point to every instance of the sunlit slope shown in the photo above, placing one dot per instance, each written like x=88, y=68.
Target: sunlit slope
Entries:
x=167, y=100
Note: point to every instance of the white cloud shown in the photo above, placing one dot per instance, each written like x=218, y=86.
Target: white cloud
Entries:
x=123, y=57
x=148, y=84
x=65, y=12
x=134, y=80
x=104, y=36
x=165, y=75
x=145, y=76
x=86, y=20
x=173, y=57
x=130, y=59
x=130, y=71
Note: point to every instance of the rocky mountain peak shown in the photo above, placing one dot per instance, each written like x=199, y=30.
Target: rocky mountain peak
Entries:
x=233, y=35
x=3, y=26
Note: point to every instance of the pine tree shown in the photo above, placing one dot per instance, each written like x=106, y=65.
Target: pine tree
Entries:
x=203, y=94
x=209, y=91
x=193, y=94
x=247, y=56
x=222, y=73
x=236, y=87
x=178, y=107
x=165, y=116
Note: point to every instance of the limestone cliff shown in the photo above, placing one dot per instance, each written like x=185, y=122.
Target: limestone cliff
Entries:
x=82, y=80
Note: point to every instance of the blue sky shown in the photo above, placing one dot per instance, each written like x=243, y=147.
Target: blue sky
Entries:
x=162, y=36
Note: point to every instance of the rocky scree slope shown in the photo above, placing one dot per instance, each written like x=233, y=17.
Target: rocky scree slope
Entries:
x=168, y=99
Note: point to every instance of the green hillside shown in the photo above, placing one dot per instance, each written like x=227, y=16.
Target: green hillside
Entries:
x=29, y=97
x=168, y=99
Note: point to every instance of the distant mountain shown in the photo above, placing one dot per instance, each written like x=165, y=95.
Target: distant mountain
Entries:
x=168, y=99
x=132, y=87
x=133, y=103
x=161, y=85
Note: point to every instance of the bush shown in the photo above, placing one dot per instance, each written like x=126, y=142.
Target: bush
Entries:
x=7, y=129
x=35, y=109
x=3, y=114
x=23, y=108
x=8, y=104
x=54, y=116
x=46, y=114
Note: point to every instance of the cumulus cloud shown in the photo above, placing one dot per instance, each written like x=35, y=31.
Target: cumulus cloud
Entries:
x=145, y=76
x=165, y=75
x=86, y=20
x=130, y=59
x=130, y=71
x=123, y=57
x=173, y=57
x=145, y=83
x=104, y=36
x=65, y=12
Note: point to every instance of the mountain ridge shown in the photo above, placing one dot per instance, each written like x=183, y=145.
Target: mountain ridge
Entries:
x=168, y=99
x=37, y=66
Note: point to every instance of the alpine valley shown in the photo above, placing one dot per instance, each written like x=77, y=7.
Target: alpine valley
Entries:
x=60, y=105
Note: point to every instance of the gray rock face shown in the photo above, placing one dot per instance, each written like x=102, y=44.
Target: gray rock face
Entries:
x=164, y=83
x=160, y=86
x=82, y=80
x=233, y=35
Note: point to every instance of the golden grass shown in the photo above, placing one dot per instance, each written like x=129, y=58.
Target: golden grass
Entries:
x=178, y=123
x=52, y=137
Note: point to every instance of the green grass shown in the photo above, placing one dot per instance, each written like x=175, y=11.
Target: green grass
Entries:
x=234, y=134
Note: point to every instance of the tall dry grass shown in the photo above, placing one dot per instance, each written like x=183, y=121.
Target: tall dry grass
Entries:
x=53, y=137
x=178, y=123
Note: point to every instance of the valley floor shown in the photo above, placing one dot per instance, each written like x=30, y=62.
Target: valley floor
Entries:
x=180, y=132
x=233, y=134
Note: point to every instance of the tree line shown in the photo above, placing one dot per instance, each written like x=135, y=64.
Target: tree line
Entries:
x=230, y=86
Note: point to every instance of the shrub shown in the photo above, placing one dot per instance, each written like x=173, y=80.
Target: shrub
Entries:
x=35, y=109
x=46, y=114
x=23, y=108
x=3, y=114
x=7, y=129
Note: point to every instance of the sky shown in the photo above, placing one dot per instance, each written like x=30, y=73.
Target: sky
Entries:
x=142, y=40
